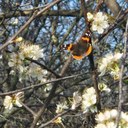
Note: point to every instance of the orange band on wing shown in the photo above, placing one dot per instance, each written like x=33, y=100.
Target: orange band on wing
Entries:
x=89, y=50
x=86, y=39
x=69, y=47
x=77, y=57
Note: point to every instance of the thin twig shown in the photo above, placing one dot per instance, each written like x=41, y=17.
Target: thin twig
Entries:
x=55, y=85
x=66, y=13
x=44, y=67
x=91, y=59
x=121, y=74
x=35, y=14
x=39, y=85
x=28, y=109
x=51, y=95
x=100, y=2
x=52, y=120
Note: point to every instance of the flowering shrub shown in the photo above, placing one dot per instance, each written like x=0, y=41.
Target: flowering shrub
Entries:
x=59, y=90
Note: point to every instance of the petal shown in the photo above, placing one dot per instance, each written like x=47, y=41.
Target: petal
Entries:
x=100, y=30
x=89, y=16
x=8, y=102
x=10, y=106
x=94, y=27
x=19, y=94
x=17, y=103
x=105, y=24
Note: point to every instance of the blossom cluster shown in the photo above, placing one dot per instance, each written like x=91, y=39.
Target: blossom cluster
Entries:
x=87, y=100
x=31, y=51
x=110, y=63
x=99, y=21
x=27, y=69
x=107, y=119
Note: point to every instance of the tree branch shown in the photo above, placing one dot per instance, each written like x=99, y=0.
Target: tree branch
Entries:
x=121, y=74
x=91, y=59
x=35, y=14
x=71, y=13
x=39, y=85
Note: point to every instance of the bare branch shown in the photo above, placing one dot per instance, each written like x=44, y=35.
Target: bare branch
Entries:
x=35, y=14
x=113, y=6
x=121, y=74
x=39, y=85
x=66, y=13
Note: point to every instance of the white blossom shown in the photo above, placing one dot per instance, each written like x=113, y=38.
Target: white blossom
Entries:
x=103, y=87
x=31, y=51
x=100, y=117
x=107, y=119
x=110, y=63
x=88, y=99
x=15, y=99
x=36, y=71
x=100, y=126
x=27, y=70
x=58, y=120
x=89, y=16
x=76, y=100
x=47, y=87
x=124, y=117
x=99, y=21
x=14, y=21
x=8, y=104
x=61, y=107
x=15, y=60
x=111, y=124
x=113, y=113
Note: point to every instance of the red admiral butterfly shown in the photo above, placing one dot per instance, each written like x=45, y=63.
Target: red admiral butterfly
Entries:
x=82, y=48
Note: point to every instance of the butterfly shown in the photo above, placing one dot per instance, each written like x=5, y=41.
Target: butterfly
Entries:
x=82, y=48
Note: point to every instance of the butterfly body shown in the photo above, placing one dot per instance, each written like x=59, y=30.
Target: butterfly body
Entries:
x=80, y=49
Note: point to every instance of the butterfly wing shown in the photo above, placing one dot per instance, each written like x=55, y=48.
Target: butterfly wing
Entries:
x=80, y=51
x=82, y=48
x=78, y=57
